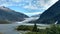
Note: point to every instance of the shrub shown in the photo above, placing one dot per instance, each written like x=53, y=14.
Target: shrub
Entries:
x=24, y=28
x=53, y=30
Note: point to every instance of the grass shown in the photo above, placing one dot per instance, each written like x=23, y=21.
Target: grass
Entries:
x=24, y=28
x=53, y=29
x=35, y=33
x=29, y=28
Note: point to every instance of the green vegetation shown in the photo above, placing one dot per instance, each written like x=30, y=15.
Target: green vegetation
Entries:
x=53, y=29
x=33, y=33
x=27, y=28
x=24, y=28
x=35, y=29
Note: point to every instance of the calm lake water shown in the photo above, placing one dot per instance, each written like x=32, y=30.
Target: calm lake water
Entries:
x=10, y=28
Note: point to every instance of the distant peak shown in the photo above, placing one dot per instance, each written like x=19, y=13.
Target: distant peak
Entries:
x=2, y=6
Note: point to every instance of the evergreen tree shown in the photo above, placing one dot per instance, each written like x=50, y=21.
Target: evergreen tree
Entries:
x=35, y=28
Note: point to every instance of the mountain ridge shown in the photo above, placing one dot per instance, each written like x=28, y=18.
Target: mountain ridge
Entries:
x=11, y=15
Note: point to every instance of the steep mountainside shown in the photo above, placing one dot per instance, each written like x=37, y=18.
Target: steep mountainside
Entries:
x=51, y=15
x=11, y=15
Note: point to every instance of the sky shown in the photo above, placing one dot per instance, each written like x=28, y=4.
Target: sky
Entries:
x=28, y=7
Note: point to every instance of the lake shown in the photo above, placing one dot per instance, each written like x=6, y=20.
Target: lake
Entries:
x=10, y=28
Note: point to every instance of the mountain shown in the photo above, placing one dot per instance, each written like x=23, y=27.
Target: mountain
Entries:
x=7, y=14
x=35, y=17
x=51, y=15
x=38, y=15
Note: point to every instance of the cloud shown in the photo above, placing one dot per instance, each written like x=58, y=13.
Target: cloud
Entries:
x=45, y=4
x=40, y=4
x=50, y=3
x=28, y=4
x=33, y=13
x=17, y=1
x=10, y=2
x=30, y=7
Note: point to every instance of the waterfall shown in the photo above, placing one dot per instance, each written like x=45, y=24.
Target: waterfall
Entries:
x=56, y=22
